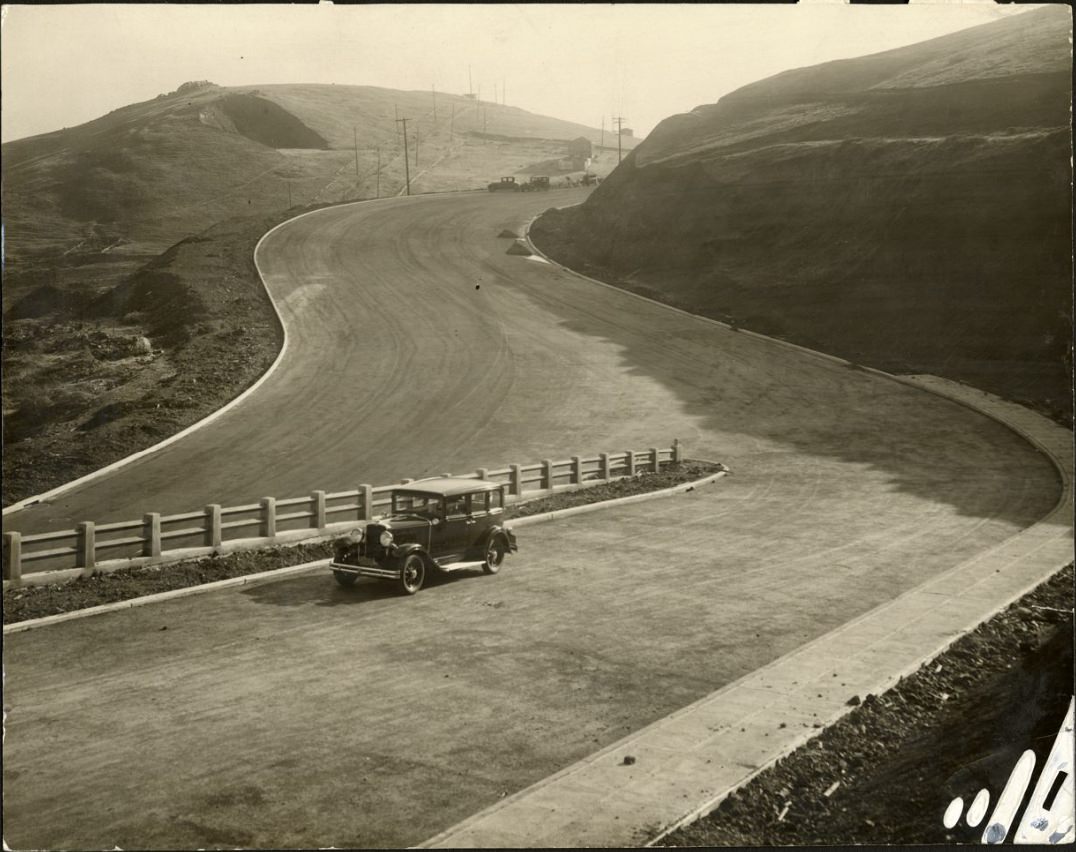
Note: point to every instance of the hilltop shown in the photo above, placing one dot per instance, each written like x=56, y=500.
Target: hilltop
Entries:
x=144, y=176
x=909, y=210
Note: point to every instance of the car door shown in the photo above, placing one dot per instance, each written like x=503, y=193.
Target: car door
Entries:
x=456, y=528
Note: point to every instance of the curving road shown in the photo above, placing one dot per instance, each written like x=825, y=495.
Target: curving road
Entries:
x=299, y=714
x=417, y=346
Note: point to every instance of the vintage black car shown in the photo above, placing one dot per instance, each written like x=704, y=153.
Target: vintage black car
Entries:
x=441, y=524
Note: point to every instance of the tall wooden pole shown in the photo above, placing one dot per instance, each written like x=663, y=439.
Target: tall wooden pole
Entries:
x=407, y=166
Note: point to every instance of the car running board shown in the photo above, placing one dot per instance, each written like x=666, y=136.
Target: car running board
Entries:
x=459, y=566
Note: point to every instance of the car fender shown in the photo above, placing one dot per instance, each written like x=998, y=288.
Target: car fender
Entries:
x=402, y=551
x=503, y=532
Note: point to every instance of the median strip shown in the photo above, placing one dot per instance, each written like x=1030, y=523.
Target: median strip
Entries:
x=39, y=606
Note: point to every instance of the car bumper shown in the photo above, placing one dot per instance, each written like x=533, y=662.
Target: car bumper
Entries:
x=367, y=569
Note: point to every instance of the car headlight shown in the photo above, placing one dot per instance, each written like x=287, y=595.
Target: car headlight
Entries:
x=356, y=536
x=385, y=539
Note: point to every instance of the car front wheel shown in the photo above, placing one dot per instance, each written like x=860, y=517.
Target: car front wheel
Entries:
x=412, y=574
x=494, y=556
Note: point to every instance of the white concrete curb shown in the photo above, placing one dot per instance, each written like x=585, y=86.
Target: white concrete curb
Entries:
x=812, y=352
x=618, y=501
x=246, y=580
x=220, y=412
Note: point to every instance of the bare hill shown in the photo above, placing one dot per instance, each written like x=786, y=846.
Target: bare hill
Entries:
x=908, y=210
x=144, y=176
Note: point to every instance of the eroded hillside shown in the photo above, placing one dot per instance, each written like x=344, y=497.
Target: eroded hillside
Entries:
x=908, y=210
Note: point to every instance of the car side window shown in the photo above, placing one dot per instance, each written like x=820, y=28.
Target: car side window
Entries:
x=479, y=503
x=495, y=501
x=456, y=506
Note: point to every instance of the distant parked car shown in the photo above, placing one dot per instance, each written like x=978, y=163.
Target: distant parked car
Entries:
x=505, y=184
x=443, y=524
x=538, y=183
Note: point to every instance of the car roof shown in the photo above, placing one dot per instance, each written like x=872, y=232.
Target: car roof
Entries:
x=449, y=486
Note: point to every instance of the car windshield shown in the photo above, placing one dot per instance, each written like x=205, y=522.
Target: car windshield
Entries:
x=411, y=503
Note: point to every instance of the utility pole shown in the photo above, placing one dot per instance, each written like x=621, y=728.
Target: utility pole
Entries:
x=379, y=171
x=619, y=119
x=407, y=167
x=355, y=134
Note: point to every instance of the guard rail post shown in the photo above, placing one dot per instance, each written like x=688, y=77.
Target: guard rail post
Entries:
x=13, y=558
x=547, y=474
x=317, y=499
x=629, y=457
x=366, y=506
x=151, y=534
x=483, y=473
x=268, y=517
x=213, y=530
x=604, y=461
x=517, y=480
x=577, y=470
x=655, y=459
x=676, y=451
x=85, y=547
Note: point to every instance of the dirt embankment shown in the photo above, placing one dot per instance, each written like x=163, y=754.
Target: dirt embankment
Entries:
x=916, y=225
x=93, y=374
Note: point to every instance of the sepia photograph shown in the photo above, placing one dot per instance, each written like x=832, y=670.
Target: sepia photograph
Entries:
x=537, y=425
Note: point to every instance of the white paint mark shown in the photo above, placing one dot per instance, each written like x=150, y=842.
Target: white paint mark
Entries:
x=833, y=788
x=1009, y=801
x=953, y=812
x=1055, y=788
x=978, y=807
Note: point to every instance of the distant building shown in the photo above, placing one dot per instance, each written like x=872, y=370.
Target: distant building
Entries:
x=579, y=151
x=626, y=131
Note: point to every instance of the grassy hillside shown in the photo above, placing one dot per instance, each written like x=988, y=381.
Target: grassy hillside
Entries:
x=140, y=178
x=908, y=210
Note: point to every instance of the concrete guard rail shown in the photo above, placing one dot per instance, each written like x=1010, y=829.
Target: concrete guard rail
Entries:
x=157, y=539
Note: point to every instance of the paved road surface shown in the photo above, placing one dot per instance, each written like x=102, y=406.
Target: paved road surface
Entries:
x=299, y=714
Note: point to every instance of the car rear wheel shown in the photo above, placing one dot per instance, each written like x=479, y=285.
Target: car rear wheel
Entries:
x=412, y=574
x=494, y=555
x=345, y=578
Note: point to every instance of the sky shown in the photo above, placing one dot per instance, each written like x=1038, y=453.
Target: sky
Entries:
x=63, y=65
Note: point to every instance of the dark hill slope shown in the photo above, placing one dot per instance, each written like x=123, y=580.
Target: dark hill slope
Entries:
x=908, y=210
